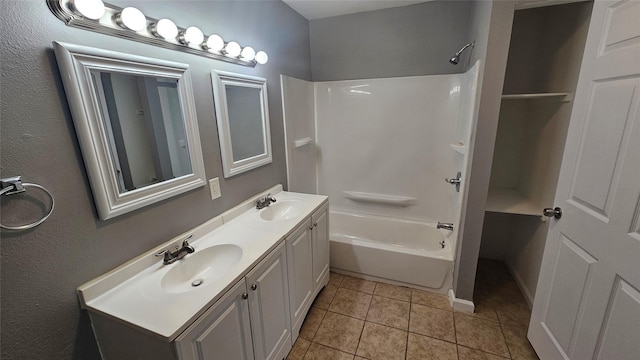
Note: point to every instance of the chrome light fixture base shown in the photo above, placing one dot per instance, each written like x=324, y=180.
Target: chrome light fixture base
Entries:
x=108, y=25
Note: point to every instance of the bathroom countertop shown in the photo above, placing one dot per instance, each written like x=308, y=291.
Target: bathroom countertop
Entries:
x=132, y=293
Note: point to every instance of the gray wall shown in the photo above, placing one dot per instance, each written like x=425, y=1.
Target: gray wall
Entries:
x=492, y=25
x=41, y=268
x=405, y=41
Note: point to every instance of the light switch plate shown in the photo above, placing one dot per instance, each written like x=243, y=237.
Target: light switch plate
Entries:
x=214, y=186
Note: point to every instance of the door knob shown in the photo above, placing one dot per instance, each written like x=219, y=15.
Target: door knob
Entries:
x=245, y=296
x=552, y=212
x=254, y=287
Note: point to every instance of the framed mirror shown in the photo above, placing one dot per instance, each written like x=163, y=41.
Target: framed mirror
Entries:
x=136, y=123
x=243, y=121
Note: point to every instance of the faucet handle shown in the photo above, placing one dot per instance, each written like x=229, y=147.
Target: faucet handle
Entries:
x=185, y=242
x=163, y=253
x=186, y=246
x=167, y=256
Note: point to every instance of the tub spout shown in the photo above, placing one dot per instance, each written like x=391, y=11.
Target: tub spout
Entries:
x=446, y=226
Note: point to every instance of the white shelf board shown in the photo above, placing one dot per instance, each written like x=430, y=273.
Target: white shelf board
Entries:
x=533, y=96
x=510, y=201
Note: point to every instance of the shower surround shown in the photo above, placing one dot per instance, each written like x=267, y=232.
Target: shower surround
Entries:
x=381, y=148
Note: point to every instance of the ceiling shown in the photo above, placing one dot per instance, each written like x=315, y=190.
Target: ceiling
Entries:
x=316, y=9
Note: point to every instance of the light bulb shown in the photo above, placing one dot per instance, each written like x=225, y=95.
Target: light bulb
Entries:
x=192, y=35
x=261, y=57
x=131, y=18
x=91, y=9
x=214, y=43
x=248, y=53
x=165, y=29
x=232, y=49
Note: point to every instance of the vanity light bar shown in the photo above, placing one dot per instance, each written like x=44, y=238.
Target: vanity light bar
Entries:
x=130, y=23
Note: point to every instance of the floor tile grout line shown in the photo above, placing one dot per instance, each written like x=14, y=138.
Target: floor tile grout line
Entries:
x=365, y=321
x=505, y=339
x=406, y=349
x=321, y=320
x=482, y=351
x=330, y=347
x=455, y=331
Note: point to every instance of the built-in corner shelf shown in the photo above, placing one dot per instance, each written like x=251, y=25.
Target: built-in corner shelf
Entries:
x=510, y=201
x=561, y=97
x=459, y=148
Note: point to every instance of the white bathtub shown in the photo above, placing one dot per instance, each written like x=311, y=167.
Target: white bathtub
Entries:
x=397, y=251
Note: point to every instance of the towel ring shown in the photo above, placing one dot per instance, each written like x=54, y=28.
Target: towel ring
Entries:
x=14, y=185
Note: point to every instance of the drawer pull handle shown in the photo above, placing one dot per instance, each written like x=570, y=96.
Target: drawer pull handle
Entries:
x=254, y=287
x=245, y=296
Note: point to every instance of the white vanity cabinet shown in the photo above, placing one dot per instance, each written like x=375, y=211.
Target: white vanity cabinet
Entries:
x=242, y=295
x=301, y=280
x=251, y=321
x=223, y=332
x=308, y=263
x=269, y=306
x=320, y=240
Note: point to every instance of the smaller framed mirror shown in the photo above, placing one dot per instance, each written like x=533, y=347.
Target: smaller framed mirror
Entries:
x=136, y=123
x=243, y=121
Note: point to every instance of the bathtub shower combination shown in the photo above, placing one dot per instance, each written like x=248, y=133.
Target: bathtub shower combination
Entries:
x=381, y=150
x=404, y=252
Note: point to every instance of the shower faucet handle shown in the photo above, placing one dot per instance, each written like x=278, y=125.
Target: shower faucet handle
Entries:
x=455, y=181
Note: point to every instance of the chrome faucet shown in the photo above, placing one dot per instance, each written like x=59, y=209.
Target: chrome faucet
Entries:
x=171, y=257
x=265, y=201
x=446, y=226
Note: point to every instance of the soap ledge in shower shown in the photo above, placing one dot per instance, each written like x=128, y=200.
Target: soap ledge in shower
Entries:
x=459, y=148
x=302, y=142
x=396, y=200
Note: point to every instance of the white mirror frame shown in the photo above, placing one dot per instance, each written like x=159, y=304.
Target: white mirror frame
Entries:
x=76, y=63
x=220, y=79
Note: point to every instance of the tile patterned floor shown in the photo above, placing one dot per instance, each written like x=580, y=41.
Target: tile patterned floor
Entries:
x=355, y=319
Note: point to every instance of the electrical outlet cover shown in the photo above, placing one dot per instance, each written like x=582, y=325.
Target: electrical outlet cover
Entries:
x=214, y=187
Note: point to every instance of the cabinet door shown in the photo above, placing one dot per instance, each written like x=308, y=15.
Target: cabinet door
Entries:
x=222, y=332
x=269, y=305
x=320, y=238
x=300, y=271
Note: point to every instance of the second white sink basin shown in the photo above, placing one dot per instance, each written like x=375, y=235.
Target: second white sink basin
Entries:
x=282, y=210
x=200, y=268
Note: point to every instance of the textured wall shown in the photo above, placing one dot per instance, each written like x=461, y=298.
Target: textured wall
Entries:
x=492, y=24
x=41, y=268
x=411, y=40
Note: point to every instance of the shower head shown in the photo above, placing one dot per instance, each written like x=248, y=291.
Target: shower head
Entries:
x=456, y=58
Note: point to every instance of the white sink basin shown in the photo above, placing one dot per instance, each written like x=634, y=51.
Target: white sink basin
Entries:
x=282, y=210
x=200, y=268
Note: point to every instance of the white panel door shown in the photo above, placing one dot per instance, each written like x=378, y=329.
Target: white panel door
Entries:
x=269, y=306
x=587, y=303
x=301, y=284
x=223, y=332
x=320, y=236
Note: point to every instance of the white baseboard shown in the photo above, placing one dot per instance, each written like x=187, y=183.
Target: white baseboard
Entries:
x=460, y=304
x=521, y=285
